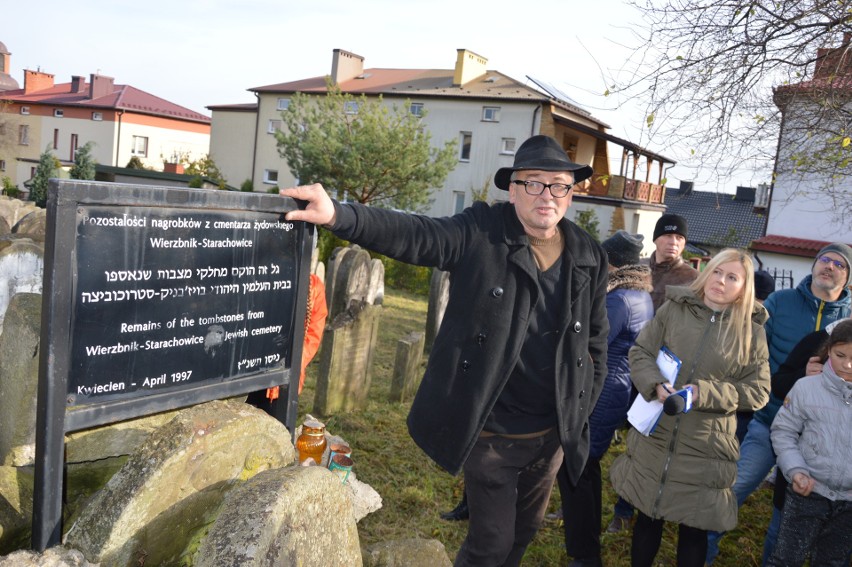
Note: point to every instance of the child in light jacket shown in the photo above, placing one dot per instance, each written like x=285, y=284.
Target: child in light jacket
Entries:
x=812, y=436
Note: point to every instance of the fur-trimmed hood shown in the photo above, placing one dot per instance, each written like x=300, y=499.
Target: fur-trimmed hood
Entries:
x=635, y=276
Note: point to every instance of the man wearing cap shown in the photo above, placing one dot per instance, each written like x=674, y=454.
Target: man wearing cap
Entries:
x=667, y=265
x=520, y=357
x=820, y=299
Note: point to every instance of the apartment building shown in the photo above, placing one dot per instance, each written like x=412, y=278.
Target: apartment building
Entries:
x=120, y=121
x=486, y=111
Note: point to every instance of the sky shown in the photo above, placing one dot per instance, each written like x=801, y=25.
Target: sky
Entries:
x=199, y=53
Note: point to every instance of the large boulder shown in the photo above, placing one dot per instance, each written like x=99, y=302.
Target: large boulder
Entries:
x=33, y=225
x=407, y=553
x=13, y=210
x=293, y=516
x=54, y=557
x=162, y=500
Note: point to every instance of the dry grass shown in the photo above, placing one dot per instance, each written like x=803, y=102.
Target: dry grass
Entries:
x=415, y=490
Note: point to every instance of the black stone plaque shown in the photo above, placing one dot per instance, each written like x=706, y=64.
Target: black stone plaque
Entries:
x=169, y=297
x=157, y=298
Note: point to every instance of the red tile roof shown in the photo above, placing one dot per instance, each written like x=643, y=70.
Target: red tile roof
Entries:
x=426, y=83
x=123, y=97
x=789, y=245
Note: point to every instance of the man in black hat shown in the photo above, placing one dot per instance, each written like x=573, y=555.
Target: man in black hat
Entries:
x=520, y=357
x=667, y=265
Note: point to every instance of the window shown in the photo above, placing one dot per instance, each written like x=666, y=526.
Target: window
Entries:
x=458, y=201
x=58, y=112
x=466, y=140
x=416, y=109
x=283, y=103
x=74, y=143
x=507, y=146
x=97, y=116
x=56, y=138
x=23, y=135
x=25, y=110
x=2, y=165
x=140, y=146
x=270, y=176
x=273, y=126
x=491, y=114
x=350, y=107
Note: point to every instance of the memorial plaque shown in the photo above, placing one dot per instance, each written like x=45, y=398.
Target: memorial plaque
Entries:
x=157, y=298
x=170, y=297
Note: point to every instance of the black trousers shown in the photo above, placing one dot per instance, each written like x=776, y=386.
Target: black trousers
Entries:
x=508, y=484
x=581, y=512
x=648, y=533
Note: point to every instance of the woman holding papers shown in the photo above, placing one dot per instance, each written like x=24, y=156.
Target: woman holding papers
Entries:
x=683, y=470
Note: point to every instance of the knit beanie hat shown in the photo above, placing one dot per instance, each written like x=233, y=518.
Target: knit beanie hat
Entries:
x=623, y=248
x=764, y=284
x=844, y=251
x=670, y=224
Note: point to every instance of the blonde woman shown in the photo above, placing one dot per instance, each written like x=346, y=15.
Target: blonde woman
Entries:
x=684, y=470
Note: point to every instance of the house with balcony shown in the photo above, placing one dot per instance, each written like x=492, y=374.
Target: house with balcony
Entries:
x=121, y=122
x=809, y=206
x=486, y=111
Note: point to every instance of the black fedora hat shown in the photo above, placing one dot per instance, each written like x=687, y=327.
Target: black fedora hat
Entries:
x=544, y=153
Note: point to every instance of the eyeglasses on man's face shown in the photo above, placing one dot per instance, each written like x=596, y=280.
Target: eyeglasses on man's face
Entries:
x=558, y=190
x=828, y=260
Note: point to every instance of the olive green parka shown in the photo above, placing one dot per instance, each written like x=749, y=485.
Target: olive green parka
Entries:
x=683, y=472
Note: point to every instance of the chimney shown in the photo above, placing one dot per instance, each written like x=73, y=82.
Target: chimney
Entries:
x=78, y=84
x=745, y=194
x=100, y=86
x=345, y=66
x=172, y=168
x=834, y=61
x=761, y=198
x=35, y=81
x=469, y=66
x=686, y=187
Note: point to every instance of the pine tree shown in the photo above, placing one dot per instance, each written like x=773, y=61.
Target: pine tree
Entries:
x=84, y=163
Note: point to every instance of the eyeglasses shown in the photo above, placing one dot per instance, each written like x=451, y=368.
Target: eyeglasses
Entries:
x=826, y=260
x=558, y=190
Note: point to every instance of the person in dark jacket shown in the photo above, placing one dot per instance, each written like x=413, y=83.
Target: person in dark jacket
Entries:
x=667, y=264
x=628, y=308
x=520, y=357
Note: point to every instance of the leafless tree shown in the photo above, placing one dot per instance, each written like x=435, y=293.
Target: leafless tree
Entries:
x=706, y=71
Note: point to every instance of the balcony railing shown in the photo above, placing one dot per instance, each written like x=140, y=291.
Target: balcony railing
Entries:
x=620, y=187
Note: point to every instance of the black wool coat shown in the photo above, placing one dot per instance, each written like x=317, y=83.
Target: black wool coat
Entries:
x=493, y=292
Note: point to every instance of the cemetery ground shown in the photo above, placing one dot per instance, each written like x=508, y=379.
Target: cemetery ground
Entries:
x=415, y=490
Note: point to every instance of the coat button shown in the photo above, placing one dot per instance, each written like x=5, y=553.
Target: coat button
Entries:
x=497, y=292
x=577, y=327
x=580, y=362
x=582, y=393
x=465, y=365
x=480, y=339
